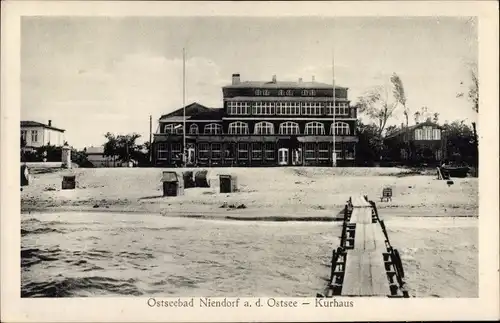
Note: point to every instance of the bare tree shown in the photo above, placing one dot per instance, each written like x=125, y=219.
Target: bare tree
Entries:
x=377, y=106
x=473, y=97
x=473, y=90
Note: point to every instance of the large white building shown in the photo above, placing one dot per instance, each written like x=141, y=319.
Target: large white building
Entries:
x=38, y=134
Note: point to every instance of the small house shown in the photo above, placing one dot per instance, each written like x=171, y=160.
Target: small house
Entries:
x=422, y=143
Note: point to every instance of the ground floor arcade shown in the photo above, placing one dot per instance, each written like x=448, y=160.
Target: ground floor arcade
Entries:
x=208, y=151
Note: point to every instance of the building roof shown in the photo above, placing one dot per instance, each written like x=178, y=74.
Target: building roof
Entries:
x=282, y=84
x=410, y=128
x=39, y=124
x=194, y=111
x=94, y=150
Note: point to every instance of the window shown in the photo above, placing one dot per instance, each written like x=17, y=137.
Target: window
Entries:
x=289, y=92
x=162, y=151
x=437, y=134
x=264, y=128
x=258, y=92
x=341, y=108
x=203, y=151
x=238, y=128
x=269, y=151
x=349, y=152
x=312, y=108
x=179, y=129
x=176, y=151
x=212, y=129
x=310, y=151
x=23, y=134
x=289, y=128
x=263, y=108
x=256, y=151
x=314, y=128
x=230, y=150
x=168, y=128
x=266, y=92
x=312, y=92
x=341, y=128
x=281, y=92
x=193, y=129
x=242, y=151
x=304, y=93
x=338, y=151
x=34, y=135
x=323, y=149
x=403, y=154
x=288, y=108
x=418, y=134
x=237, y=108
x=427, y=133
x=216, y=151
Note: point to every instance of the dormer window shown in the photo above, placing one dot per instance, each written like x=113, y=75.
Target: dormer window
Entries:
x=289, y=92
x=281, y=93
x=312, y=92
x=258, y=92
x=265, y=92
x=304, y=93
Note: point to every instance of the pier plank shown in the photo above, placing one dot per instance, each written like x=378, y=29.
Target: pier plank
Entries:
x=365, y=275
x=361, y=215
x=359, y=201
x=354, y=215
x=359, y=237
x=369, y=237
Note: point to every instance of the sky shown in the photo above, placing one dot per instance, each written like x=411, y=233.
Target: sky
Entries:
x=92, y=75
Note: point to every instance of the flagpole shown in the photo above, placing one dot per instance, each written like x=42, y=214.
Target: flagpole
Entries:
x=184, y=106
x=334, y=153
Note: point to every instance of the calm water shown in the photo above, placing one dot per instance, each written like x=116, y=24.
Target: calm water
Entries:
x=97, y=254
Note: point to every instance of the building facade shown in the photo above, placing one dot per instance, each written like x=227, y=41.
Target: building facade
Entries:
x=263, y=124
x=421, y=143
x=36, y=134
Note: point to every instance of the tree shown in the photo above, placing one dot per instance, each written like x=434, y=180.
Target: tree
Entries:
x=122, y=146
x=368, y=147
x=391, y=129
x=460, y=142
x=473, y=88
x=473, y=97
x=399, y=94
x=376, y=105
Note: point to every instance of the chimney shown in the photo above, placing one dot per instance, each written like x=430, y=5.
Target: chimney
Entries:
x=50, y=123
x=300, y=79
x=274, y=78
x=236, y=79
x=313, y=79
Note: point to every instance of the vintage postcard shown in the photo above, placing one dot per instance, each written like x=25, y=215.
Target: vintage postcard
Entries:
x=249, y=161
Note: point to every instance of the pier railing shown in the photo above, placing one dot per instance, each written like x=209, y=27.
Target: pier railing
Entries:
x=365, y=263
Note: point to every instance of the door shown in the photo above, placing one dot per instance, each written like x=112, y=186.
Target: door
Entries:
x=191, y=157
x=283, y=156
x=297, y=156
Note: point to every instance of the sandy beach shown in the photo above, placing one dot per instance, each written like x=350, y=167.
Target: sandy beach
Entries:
x=264, y=192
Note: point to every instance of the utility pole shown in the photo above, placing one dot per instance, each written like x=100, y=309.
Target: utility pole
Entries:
x=334, y=129
x=184, y=106
x=150, y=139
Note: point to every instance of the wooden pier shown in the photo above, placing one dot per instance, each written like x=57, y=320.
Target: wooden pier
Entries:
x=365, y=264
